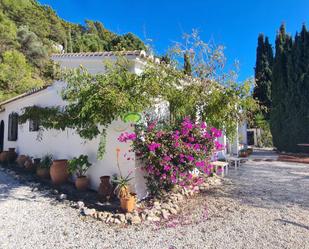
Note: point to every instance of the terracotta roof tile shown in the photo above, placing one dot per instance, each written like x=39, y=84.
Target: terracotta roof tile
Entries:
x=140, y=53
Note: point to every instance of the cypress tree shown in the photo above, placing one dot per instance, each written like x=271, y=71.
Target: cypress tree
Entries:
x=187, y=64
x=289, y=92
x=279, y=89
x=263, y=74
x=300, y=106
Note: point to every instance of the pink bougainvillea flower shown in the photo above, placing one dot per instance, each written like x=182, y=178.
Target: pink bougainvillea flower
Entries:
x=186, y=124
x=196, y=147
x=153, y=146
x=218, y=145
x=200, y=164
x=176, y=144
x=216, y=132
x=207, y=135
x=167, y=158
x=173, y=179
x=151, y=126
x=189, y=176
x=190, y=158
x=191, y=139
x=175, y=135
x=167, y=167
x=169, y=155
x=159, y=134
x=203, y=125
x=124, y=137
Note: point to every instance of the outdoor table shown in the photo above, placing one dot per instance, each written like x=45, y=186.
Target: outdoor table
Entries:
x=236, y=161
x=222, y=165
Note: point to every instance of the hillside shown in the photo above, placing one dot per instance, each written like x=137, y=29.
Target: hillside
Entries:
x=30, y=32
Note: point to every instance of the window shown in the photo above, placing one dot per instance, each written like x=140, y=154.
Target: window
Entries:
x=34, y=125
x=13, y=127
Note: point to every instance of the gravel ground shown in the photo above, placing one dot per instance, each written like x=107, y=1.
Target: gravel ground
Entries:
x=261, y=205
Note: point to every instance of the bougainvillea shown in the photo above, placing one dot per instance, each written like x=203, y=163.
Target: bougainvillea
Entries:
x=171, y=156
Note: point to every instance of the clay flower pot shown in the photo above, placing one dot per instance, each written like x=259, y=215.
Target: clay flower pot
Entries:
x=4, y=156
x=59, y=171
x=43, y=173
x=29, y=166
x=81, y=183
x=127, y=204
x=105, y=190
x=249, y=151
x=12, y=155
x=21, y=159
x=36, y=162
x=243, y=154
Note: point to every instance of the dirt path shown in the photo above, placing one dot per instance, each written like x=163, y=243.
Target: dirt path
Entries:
x=261, y=205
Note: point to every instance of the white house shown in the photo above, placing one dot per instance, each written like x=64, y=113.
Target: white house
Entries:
x=67, y=144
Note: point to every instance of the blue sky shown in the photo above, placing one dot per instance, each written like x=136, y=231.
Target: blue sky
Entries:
x=235, y=24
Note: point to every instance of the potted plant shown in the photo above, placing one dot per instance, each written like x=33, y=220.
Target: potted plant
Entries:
x=127, y=199
x=12, y=155
x=59, y=171
x=243, y=153
x=79, y=166
x=4, y=156
x=29, y=166
x=43, y=167
x=122, y=190
x=249, y=150
x=106, y=189
x=21, y=159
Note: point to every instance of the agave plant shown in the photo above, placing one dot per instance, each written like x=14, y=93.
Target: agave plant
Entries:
x=122, y=189
x=46, y=161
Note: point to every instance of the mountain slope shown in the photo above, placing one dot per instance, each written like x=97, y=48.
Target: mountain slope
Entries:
x=30, y=32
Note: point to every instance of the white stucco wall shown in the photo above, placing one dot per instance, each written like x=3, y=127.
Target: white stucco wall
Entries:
x=67, y=144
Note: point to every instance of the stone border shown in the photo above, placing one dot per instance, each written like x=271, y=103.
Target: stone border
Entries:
x=153, y=210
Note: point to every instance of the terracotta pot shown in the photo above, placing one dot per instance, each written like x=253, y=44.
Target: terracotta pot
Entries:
x=36, y=161
x=29, y=166
x=21, y=159
x=128, y=204
x=4, y=156
x=59, y=171
x=105, y=190
x=12, y=155
x=42, y=172
x=243, y=154
x=81, y=183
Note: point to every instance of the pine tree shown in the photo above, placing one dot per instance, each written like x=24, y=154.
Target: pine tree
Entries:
x=263, y=74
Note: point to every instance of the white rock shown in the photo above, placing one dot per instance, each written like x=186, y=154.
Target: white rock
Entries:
x=172, y=210
x=117, y=221
x=136, y=219
x=165, y=214
x=153, y=218
x=80, y=204
x=89, y=211
x=62, y=196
